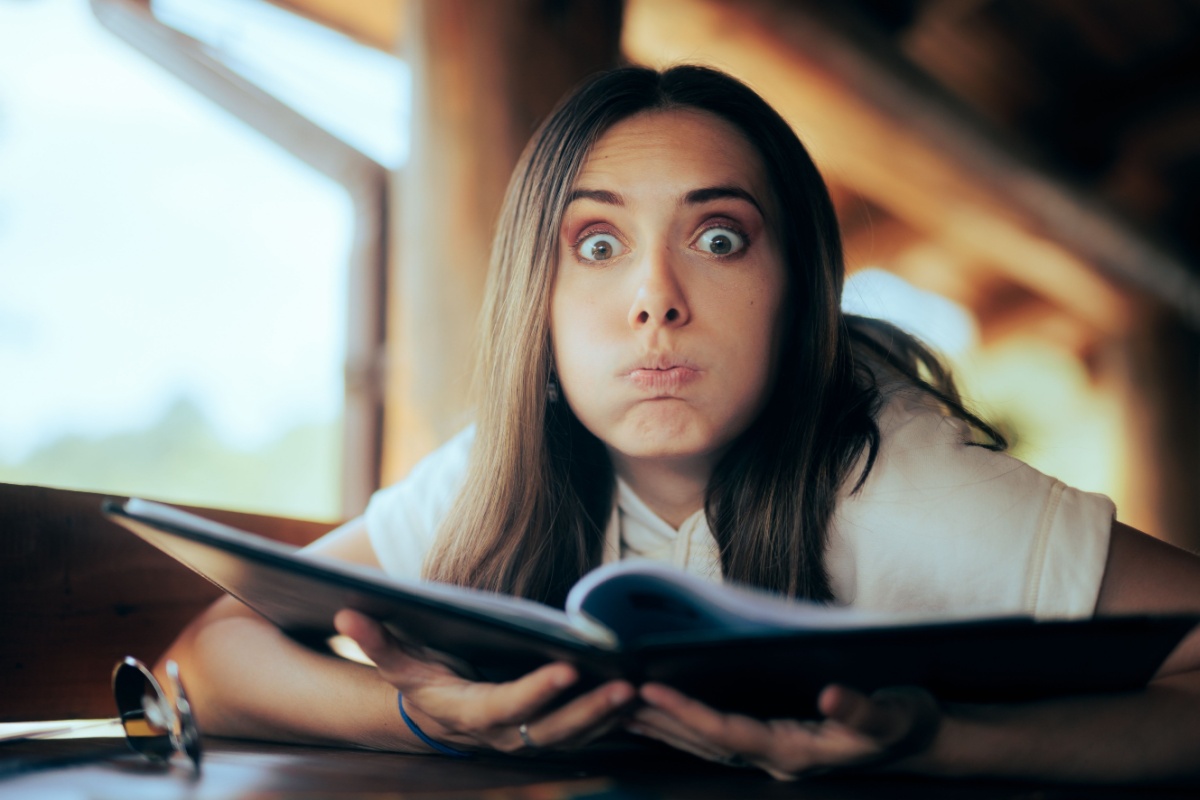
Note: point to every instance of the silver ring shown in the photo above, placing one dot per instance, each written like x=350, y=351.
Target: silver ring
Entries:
x=524, y=731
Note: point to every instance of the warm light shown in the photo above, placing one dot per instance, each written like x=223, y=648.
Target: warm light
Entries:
x=348, y=649
x=1057, y=418
x=1060, y=419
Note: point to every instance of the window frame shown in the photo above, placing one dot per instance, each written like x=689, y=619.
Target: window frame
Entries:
x=366, y=182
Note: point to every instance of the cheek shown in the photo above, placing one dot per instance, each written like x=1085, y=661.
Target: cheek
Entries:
x=763, y=323
x=758, y=313
x=757, y=371
x=573, y=336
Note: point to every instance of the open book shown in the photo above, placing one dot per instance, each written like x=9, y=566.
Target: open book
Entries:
x=736, y=649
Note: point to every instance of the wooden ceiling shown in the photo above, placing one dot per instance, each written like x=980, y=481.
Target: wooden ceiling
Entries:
x=1106, y=91
x=1038, y=160
x=1103, y=94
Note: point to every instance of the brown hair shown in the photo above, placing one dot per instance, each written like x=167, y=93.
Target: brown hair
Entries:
x=539, y=490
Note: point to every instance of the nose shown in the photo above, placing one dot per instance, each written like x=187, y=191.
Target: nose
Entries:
x=660, y=300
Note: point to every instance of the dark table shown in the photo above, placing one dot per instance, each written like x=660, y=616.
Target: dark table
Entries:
x=237, y=769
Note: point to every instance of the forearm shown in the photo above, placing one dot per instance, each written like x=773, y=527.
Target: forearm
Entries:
x=246, y=679
x=1145, y=736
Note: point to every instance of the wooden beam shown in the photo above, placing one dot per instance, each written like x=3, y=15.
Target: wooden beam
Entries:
x=1154, y=372
x=484, y=75
x=871, y=237
x=877, y=124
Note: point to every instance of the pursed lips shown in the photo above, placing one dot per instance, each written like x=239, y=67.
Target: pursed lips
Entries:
x=662, y=376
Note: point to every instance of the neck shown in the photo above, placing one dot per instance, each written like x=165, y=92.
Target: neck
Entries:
x=674, y=490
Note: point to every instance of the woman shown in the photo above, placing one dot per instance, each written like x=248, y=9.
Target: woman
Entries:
x=665, y=373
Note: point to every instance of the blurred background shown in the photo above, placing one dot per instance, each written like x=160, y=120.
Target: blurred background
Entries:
x=243, y=243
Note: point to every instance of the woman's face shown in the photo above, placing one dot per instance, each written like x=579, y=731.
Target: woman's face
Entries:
x=666, y=311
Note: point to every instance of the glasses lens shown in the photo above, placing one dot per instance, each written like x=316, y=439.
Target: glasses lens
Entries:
x=145, y=712
x=186, y=733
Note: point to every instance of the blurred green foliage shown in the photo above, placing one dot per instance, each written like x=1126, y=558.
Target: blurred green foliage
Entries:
x=181, y=459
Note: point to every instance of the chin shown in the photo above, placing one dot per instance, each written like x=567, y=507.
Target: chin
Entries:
x=665, y=452
x=668, y=446
x=666, y=432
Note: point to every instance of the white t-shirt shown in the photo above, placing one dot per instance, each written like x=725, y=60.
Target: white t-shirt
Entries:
x=938, y=527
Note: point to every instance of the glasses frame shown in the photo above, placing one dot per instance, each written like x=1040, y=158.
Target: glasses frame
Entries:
x=156, y=725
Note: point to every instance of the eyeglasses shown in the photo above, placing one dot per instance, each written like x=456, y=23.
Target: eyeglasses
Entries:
x=155, y=726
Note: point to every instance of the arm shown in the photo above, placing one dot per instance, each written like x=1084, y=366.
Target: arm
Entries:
x=1142, y=736
x=245, y=678
x=1147, y=735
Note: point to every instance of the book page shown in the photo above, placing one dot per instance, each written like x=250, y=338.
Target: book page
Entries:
x=645, y=598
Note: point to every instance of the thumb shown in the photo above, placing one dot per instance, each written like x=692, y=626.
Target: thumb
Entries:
x=369, y=634
x=378, y=645
x=904, y=716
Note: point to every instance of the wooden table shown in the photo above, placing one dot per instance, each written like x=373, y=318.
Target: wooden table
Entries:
x=237, y=769
x=78, y=594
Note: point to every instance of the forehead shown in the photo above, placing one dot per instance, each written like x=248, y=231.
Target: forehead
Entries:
x=676, y=146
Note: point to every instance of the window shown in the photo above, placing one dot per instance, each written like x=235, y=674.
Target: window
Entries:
x=174, y=285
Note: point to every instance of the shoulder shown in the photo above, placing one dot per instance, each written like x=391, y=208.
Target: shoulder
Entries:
x=944, y=525
x=403, y=519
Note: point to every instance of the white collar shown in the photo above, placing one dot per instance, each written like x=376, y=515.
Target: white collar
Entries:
x=634, y=530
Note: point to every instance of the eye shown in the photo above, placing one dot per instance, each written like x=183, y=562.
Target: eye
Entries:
x=721, y=241
x=599, y=247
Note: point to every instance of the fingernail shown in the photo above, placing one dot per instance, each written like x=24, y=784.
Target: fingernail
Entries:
x=563, y=678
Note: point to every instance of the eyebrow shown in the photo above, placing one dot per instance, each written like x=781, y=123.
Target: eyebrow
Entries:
x=698, y=196
x=692, y=198
x=599, y=195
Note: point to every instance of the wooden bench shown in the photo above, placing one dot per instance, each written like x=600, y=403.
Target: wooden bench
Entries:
x=78, y=593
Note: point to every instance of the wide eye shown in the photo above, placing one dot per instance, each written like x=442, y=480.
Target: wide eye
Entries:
x=721, y=241
x=600, y=247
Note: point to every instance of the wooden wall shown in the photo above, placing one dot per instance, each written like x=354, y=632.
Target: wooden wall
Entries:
x=78, y=593
x=484, y=75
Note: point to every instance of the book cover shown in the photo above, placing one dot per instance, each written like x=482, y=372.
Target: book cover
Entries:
x=736, y=649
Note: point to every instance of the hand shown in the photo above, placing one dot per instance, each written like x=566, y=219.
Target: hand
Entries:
x=857, y=730
x=471, y=715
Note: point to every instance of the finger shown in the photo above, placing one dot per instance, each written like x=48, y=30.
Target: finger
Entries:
x=490, y=712
x=463, y=712
x=728, y=733
x=397, y=666
x=584, y=718
x=672, y=735
x=845, y=705
x=358, y=627
x=514, y=702
x=371, y=636
x=781, y=747
x=666, y=728
x=888, y=716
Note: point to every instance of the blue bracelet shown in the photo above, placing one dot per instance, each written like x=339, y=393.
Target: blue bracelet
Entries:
x=444, y=749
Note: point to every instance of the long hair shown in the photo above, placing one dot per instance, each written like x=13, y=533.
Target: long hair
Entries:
x=540, y=488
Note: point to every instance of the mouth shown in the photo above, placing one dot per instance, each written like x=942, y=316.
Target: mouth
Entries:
x=662, y=376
